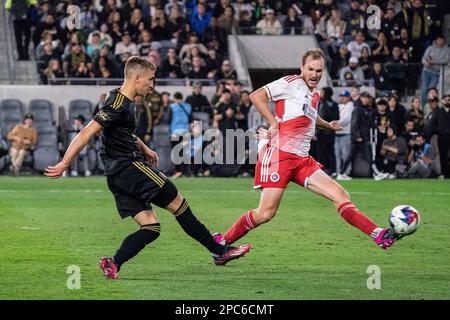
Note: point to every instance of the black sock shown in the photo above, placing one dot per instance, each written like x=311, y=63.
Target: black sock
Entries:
x=193, y=227
x=135, y=242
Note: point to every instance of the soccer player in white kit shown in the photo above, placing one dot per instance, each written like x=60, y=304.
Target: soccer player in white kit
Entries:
x=285, y=157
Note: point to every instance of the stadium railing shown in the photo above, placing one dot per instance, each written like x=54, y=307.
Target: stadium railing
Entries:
x=117, y=81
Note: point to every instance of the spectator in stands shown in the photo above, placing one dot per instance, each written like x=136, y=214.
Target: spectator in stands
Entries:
x=261, y=8
x=105, y=37
x=431, y=120
x=171, y=66
x=133, y=24
x=155, y=58
x=116, y=33
x=355, y=46
x=391, y=25
x=243, y=110
x=103, y=68
x=180, y=119
x=339, y=61
x=166, y=102
x=431, y=94
x=380, y=119
x=146, y=43
x=435, y=56
x=215, y=36
x=47, y=38
x=153, y=102
x=225, y=114
x=19, y=10
x=23, y=138
x=398, y=113
x=315, y=25
x=196, y=69
x=197, y=144
x=94, y=45
x=410, y=134
x=269, y=25
x=416, y=115
x=175, y=22
x=235, y=88
x=343, y=138
x=356, y=72
x=72, y=62
x=179, y=5
x=48, y=24
x=44, y=59
x=213, y=62
x=394, y=151
x=380, y=49
x=126, y=45
x=356, y=97
x=159, y=26
x=219, y=8
x=149, y=9
x=194, y=41
x=53, y=71
x=336, y=28
x=329, y=111
x=144, y=120
x=292, y=24
x=197, y=100
x=241, y=6
x=200, y=19
x=246, y=25
x=227, y=20
x=443, y=126
x=365, y=63
x=127, y=8
x=354, y=19
x=418, y=20
x=421, y=158
x=226, y=71
x=396, y=68
x=380, y=80
x=77, y=125
x=220, y=86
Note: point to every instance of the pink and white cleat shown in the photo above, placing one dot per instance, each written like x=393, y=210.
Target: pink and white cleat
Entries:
x=386, y=238
x=109, y=268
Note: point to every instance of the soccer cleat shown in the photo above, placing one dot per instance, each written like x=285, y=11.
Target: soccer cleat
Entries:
x=220, y=239
x=231, y=254
x=109, y=268
x=386, y=238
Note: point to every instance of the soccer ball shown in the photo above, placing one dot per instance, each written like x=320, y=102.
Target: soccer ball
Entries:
x=404, y=219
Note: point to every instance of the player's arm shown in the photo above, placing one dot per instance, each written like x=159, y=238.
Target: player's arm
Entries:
x=333, y=125
x=260, y=100
x=152, y=155
x=77, y=144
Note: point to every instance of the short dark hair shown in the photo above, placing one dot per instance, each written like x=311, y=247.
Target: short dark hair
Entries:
x=382, y=102
x=178, y=95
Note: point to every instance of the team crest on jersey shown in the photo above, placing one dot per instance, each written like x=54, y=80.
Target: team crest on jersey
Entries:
x=103, y=115
x=274, y=177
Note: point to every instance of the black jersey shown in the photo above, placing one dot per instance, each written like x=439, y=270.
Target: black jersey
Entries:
x=119, y=122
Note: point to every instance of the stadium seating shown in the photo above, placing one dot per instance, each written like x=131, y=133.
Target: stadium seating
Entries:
x=44, y=157
x=80, y=106
x=11, y=105
x=47, y=136
x=38, y=107
x=9, y=120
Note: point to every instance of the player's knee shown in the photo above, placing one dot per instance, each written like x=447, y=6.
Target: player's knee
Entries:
x=150, y=234
x=264, y=215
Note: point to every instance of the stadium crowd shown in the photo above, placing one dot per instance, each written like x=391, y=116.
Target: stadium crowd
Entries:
x=188, y=40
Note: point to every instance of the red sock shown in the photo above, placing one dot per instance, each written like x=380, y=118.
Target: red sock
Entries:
x=240, y=228
x=356, y=218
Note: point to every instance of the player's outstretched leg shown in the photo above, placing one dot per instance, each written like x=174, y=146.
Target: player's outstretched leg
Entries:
x=268, y=206
x=323, y=185
x=170, y=199
x=132, y=244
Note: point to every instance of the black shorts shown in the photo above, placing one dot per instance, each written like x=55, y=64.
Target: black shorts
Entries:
x=134, y=188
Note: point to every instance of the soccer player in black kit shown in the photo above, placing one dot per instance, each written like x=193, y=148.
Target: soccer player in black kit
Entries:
x=135, y=182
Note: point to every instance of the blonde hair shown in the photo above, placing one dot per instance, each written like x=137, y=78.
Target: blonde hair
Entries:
x=315, y=54
x=137, y=64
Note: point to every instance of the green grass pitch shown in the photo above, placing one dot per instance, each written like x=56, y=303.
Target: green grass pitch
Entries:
x=306, y=252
